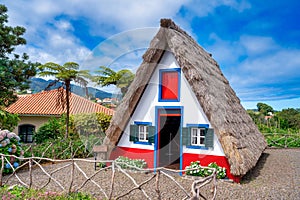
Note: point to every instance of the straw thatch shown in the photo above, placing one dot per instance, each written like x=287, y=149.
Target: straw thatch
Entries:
x=241, y=140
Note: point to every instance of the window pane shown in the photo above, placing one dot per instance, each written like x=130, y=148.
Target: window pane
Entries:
x=202, y=132
x=194, y=140
x=194, y=132
x=141, y=136
x=201, y=140
x=29, y=138
x=141, y=129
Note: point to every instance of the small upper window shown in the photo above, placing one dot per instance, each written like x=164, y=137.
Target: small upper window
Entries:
x=143, y=133
x=198, y=136
x=169, y=85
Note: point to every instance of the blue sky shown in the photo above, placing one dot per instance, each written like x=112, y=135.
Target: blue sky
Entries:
x=256, y=43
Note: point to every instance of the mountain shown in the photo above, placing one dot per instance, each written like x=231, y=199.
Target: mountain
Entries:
x=39, y=84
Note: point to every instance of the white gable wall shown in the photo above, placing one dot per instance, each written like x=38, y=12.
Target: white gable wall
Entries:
x=192, y=111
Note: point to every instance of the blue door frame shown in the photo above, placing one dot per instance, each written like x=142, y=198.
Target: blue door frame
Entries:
x=157, y=109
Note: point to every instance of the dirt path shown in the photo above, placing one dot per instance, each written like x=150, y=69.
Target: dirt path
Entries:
x=276, y=176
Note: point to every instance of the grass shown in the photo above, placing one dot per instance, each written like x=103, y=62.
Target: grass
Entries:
x=17, y=192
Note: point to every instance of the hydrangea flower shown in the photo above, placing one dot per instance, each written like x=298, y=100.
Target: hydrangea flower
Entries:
x=7, y=165
x=16, y=164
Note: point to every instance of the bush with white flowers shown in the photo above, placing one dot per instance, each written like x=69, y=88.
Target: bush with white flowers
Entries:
x=124, y=162
x=195, y=169
x=10, y=145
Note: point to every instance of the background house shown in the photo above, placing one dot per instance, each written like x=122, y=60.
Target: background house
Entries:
x=36, y=109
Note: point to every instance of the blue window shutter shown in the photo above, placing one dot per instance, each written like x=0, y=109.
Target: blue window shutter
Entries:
x=134, y=133
x=151, y=132
x=209, y=138
x=186, y=136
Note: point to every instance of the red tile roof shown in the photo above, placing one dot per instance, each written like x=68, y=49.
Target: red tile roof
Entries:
x=45, y=103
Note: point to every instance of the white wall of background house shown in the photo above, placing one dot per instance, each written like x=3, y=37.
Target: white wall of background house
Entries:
x=192, y=111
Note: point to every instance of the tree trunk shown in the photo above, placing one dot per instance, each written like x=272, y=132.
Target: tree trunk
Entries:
x=68, y=92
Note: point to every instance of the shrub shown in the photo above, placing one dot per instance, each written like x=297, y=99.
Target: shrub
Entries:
x=91, y=128
x=49, y=130
x=10, y=145
x=139, y=163
x=19, y=192
x=64, y=148
x=104, y=120
x=87, y=124
x=195, y=169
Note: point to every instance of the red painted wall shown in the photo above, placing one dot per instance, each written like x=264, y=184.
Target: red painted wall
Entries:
x=148, y=156
x=134, y=153
x=206, y=160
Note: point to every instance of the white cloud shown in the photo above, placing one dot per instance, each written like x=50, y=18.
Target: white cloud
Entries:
x=50, y=32
x=255, y=45
x=51, y=36
x=121, y=50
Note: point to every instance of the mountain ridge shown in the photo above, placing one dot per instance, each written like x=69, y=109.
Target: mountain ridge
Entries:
x=39, y=84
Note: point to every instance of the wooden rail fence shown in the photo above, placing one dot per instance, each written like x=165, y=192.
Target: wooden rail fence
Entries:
x=30, y=165
x=282, y=140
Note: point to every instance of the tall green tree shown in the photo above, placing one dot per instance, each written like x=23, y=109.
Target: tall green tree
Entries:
x=264, y=108
x=15, y=70
x=122, y=78
x=65, y=74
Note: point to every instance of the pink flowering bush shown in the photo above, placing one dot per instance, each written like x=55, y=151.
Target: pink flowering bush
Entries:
x=10, y=145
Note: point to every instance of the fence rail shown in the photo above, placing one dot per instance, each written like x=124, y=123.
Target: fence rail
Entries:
x=282, y=140
x=26, y=175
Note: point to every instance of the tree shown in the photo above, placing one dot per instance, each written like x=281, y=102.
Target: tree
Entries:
x=8, y=121
x=264, y=108
x=289, y=118
x=122, y=79
x=15, y=70
x=65, y=74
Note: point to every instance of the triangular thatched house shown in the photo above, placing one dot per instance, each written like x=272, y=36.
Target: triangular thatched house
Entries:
x=180, y=108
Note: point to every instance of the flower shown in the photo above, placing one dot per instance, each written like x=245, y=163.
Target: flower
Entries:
x=12, y=159
x=10, y=135
x=7, y=165
x=14, y=150
x=9, y=149
x=3, y=143
x=16, y=164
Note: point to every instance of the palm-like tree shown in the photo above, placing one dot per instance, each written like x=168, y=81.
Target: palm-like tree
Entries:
x=121, y=79
x=65, y=74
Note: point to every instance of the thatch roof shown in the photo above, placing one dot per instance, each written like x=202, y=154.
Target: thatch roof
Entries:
x=241, y=140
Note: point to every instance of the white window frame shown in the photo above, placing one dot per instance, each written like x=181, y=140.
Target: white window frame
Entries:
x=143, y=133
x=198, y=136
